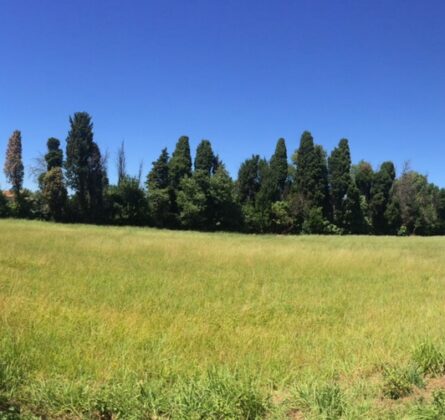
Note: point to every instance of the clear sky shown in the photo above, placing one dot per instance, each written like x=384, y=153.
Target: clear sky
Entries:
x=239, y=73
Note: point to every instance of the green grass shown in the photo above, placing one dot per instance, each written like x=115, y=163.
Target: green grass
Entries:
x=128, y=322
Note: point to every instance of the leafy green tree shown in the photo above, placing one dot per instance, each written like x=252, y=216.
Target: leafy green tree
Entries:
x=279, y=169
x=339, y=165
x=281, y=217
x=13, y=168
x=363, y=175
x=380, y=194
x=224, y=209
x=414, y=205
x=192, y=201
x=249, y=179
x=128, y=202
x=84, y=166
x=205, y=158
x=180, y=164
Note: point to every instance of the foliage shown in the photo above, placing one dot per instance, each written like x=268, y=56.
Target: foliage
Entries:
x=128, y=202
x=54, y=192
x=14, y=170
x=84, y=167
x=340, y=181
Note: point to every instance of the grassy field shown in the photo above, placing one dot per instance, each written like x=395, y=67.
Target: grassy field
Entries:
x=102, y=322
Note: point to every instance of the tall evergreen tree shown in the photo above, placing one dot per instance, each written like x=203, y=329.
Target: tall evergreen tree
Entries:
x=180, y=164
x=158, y=177
x=353, y=217
x=311, y=175
x=205, y=158
x=159, y=191
x=279, y=168
x=13, y=168
x=380, y=194
x=84, y=166
x=339, y=164
x=121, y=164
x=95, y=183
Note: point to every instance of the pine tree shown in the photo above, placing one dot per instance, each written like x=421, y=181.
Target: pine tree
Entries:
x=339, y=164
x=158, y=177
x=180, y=164
x=279, y=168
x=205, y=158
x=13, y=168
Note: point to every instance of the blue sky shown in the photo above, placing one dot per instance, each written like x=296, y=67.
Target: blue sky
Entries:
x=239, y=73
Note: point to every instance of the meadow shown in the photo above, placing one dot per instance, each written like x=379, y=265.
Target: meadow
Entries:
x=115, y=322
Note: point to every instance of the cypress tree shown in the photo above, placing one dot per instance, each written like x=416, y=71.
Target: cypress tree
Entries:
x=84, y=166
x=180, y=164
x=353, y=217
x=279, y=168
x=53, y=183
x=54, y=192
x=159, y=192
x=13, y=168
x=205, y=158
x=380, y=195
x=304, y=160
x=121, y=164
x=54, y=155
x=249, y=179
x=339, y=164
x=311, y=175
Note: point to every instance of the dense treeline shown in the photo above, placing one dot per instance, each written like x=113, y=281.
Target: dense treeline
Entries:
x=314, y=193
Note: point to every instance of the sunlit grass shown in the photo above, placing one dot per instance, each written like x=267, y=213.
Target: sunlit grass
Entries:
x=95, y=304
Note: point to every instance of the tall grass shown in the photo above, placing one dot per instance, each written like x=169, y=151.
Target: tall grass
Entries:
x=141, y=322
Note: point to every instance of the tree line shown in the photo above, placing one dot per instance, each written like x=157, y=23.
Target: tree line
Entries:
x=313, y=193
